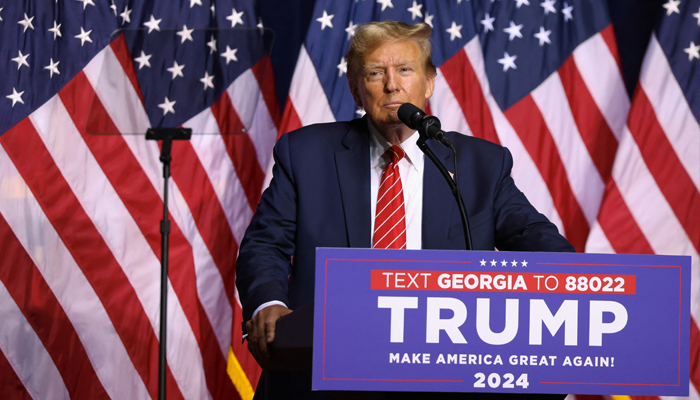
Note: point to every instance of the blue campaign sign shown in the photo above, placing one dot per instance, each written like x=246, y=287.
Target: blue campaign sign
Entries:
x=481, y=321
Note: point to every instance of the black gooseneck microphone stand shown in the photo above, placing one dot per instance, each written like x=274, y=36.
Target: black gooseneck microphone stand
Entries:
x=167, y=135
x=453, y=184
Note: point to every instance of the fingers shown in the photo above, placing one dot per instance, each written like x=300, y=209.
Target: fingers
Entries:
x=261, y=332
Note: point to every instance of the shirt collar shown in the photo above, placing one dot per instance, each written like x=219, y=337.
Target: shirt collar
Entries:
x=378, y=145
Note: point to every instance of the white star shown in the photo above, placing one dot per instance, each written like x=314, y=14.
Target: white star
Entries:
x=176, y=70
x=548, y=6
x=185, y=34
x=53, y=67
x=126, y=15
x=26, y=23
x=672, y=7
x=1, y=11
x=143, y=60
x=429, y=19
x=235, y=18
x=325, y=20
x=114, y=8
x=567, y=12
x=385, y=4
x=213, y=9
x=508, y=61
x=212, y=45
x=208, y=80
x=260, y=26
x=487, y=22
x=513, y=31
x=504, y=263
x=342, y=67
x=351, y=29
x=514, y=263
x=521, y=2
x=454, y=31
x=361, y=112
x=696, y=15
x=84, y=36
x=493, y=263
x=167, y=106
x=693, y=51
x=21, y=60
x=543, y=36
x=193, y=2
x=55, y=30
x=16, y=97
x=153, y=24
x=415, y=10
x=229, y=54
x=524, y=263
x=86, y=2
x=483, y=262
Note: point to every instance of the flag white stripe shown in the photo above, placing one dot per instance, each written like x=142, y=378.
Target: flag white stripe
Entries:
x=445, y=106
x=652, y=212
x=307, y=94
x=672, y=110
x=247, y=99
x=27, y=354
x=74, y=293
x=582, y=174
x=525, y=172
x=118, y=229
x=601, y=74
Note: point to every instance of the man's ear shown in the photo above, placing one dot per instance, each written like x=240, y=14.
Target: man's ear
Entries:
x=356, y=95
x=429, y=87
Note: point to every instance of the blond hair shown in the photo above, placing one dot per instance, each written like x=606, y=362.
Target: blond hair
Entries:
x=374, y=34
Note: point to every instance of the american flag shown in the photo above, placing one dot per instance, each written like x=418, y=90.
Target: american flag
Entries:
x=80, y=210
x=543, y=78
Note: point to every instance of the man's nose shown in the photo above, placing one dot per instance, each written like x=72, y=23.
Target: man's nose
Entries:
x=392, y=82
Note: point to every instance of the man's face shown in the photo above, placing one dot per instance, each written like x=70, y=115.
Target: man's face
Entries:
x=392, y=74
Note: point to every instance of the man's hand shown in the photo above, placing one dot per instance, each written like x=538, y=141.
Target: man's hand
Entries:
x=261, y=331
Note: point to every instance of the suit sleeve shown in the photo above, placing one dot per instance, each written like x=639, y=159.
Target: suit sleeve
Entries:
x=264, y=258
x=519, y=227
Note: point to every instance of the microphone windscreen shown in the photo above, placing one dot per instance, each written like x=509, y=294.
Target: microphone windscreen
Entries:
x=407, y=113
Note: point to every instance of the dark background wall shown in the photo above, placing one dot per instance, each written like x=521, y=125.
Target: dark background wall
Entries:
x=633, y=21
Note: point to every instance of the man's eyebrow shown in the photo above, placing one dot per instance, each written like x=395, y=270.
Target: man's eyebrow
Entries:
x=381, y=65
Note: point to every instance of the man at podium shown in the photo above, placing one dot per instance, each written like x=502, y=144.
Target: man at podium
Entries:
x=365, y=183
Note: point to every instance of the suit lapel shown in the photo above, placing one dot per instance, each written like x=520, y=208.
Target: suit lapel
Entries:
x=438, y=202
x=352, y=164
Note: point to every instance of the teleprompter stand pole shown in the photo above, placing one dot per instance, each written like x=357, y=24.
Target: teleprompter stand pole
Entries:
x=167, y=135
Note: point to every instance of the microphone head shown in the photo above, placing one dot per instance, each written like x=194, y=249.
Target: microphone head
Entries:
x=410, y=115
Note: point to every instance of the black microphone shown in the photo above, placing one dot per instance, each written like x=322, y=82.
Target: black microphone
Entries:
x=426, y=125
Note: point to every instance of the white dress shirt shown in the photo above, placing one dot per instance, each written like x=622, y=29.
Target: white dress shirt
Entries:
x=411, y=171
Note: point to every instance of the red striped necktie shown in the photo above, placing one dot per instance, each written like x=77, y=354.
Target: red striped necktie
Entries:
x=390, y=219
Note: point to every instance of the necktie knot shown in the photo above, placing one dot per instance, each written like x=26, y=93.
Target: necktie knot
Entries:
x=395, y=154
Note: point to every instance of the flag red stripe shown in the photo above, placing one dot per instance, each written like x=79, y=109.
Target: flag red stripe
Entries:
x=191, y=178
x=266, y=80
x=12, y=386
x=463, y=82
x=608, y=34
x=240, y=148
x=44, y=313
x=528, y=122
x=140, y=198
x=619, y=225
x=695, y=354
x=595, y=132
x=669, y=174
x=27, y=151
x=290, y=119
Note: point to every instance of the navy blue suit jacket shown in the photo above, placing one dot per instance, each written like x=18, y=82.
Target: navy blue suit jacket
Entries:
x=320, y=197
